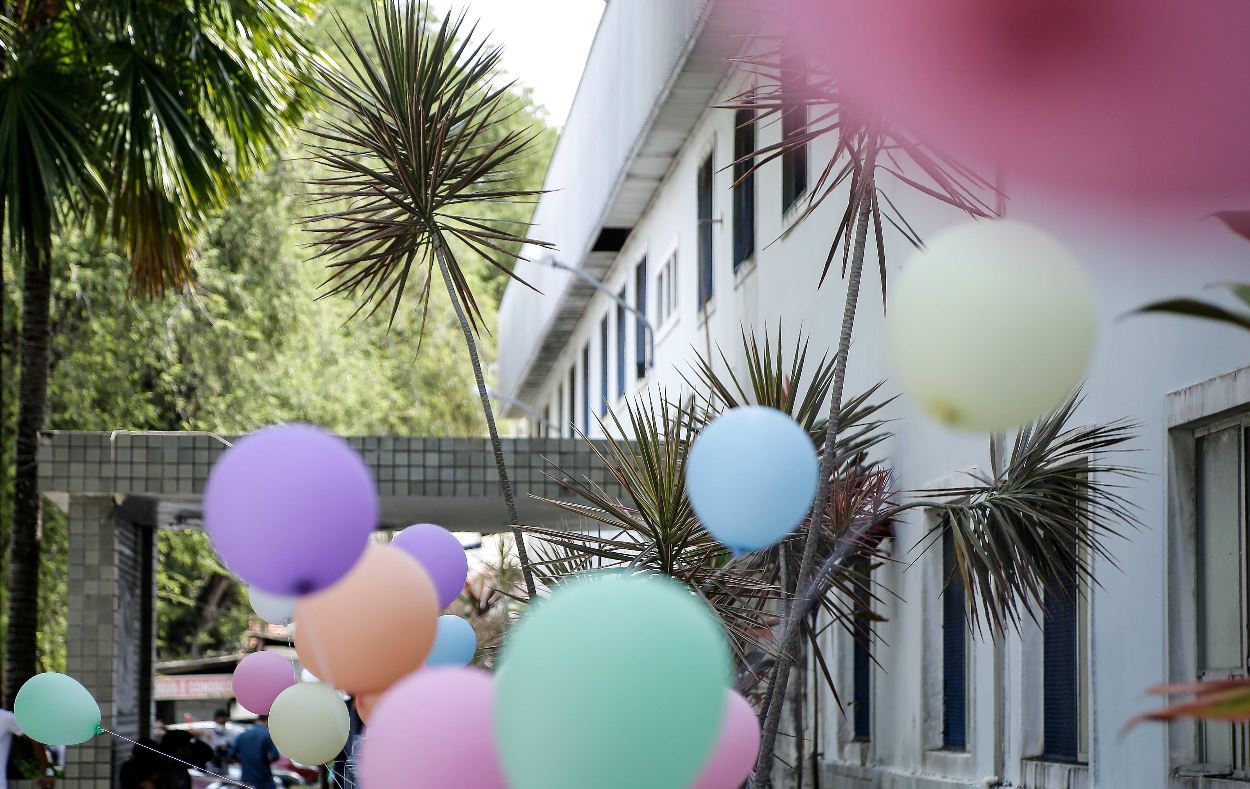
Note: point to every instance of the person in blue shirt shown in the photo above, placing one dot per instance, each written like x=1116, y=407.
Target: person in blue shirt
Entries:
x=255, y=751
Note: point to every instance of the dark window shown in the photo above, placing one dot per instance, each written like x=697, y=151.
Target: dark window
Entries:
x=568, y=430
x=559, y=409
x=793, y=125
x=586, y=388
x=620, y=345
x=954, y=652
x=704, y=201
x=862, y=658
x=603, y=366
x=744, y=186
x=641, y=362
x=1060, y=677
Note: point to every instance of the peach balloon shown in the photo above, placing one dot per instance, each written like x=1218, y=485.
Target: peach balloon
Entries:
x=365, y=702
x=371, y=628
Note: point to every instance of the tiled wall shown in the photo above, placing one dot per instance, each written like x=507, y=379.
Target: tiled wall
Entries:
x=177, y=464
x=104, y=642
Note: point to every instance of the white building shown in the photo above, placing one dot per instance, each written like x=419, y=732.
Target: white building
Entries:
x=639, y=159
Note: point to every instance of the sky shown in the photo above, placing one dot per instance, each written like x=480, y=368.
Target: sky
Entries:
x=544, y=43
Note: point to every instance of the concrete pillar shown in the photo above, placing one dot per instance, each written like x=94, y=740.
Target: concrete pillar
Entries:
x=111, y=624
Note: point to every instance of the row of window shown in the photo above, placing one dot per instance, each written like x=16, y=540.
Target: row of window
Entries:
x=1065, y=669
x=564, y=414
x=1214, y=480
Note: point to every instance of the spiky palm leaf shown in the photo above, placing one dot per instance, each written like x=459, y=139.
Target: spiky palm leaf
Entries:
x=1038, y=526
x=772, y=379
x=866, y=149
x=656, y=529
x=418, y=151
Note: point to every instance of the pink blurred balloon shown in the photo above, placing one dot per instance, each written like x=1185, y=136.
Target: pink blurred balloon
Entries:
x=432, y=730
x=259, y=678
x=1132, y=103
x=736, y=749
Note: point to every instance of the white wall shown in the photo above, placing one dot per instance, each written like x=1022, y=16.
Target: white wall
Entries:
x=1138, y=360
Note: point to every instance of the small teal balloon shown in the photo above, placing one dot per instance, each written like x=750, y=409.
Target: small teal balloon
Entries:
x=55, y=709
x=751, y=477
x=454, y=644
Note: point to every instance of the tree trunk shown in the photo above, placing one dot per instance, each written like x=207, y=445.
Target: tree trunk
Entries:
x=790, y=643
x=505, y=485
x=20, y=643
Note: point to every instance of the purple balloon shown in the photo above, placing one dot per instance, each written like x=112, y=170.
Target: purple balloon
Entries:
x=441, y=554
x=290, y=509
x=259, y=678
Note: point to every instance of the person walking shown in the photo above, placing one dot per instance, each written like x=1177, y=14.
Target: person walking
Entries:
x=255, y=752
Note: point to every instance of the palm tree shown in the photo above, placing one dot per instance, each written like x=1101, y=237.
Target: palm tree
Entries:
x=419, y=148
x=143, y=115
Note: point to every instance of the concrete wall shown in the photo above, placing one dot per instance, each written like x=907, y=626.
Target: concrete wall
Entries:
x=1137, y=362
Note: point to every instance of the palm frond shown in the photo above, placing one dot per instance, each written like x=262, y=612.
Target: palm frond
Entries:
x=198, y=95
x=1037, y=528
x=47, y=157
x=779, y=381
x=417, y=149
x=866, y=149
x=1226, y=700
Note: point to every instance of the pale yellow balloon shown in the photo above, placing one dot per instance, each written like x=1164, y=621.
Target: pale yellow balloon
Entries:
x=991, y=325
x=309, y=723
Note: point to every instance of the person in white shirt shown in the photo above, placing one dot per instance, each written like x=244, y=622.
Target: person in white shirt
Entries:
x=8, y=730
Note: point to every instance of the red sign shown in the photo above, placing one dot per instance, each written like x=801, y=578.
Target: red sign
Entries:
x=194, y=686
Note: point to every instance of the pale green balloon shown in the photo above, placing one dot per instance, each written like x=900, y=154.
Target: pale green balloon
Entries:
x=991, y=325
x=617, y=682
x=55, y=709
x=309, y=723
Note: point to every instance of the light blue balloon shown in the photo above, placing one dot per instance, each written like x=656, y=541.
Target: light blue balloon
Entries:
x=751, y=477
x=454, y=643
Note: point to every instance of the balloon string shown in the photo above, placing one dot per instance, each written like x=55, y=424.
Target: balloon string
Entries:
x=175, y=758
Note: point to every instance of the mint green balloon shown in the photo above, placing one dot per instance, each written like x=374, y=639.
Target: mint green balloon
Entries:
x=55, y=709
x=617, y=682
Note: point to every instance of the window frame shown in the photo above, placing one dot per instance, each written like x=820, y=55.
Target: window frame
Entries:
x=641, y=363
x=705, y=236
x=586, y=387
x=605, y=334
x=621, y=346
x=744, y=141
x=794, y=162
x=1192, y=412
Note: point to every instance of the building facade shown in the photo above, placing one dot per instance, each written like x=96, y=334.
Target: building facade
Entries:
x=644, y=200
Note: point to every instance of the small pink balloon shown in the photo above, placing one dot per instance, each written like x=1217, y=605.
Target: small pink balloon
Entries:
x=736, y=749
x=432, y=730
x=259, y=678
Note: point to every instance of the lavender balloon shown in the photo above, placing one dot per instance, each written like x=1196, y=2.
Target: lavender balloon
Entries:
x=441, y=554
x=290, y=509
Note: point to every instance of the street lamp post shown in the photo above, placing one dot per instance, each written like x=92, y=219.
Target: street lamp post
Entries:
x=550, y=260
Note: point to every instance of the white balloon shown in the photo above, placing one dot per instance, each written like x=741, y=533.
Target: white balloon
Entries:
x=307, y=676
x=309, y=723
x=271, y=607
x=991, y=325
